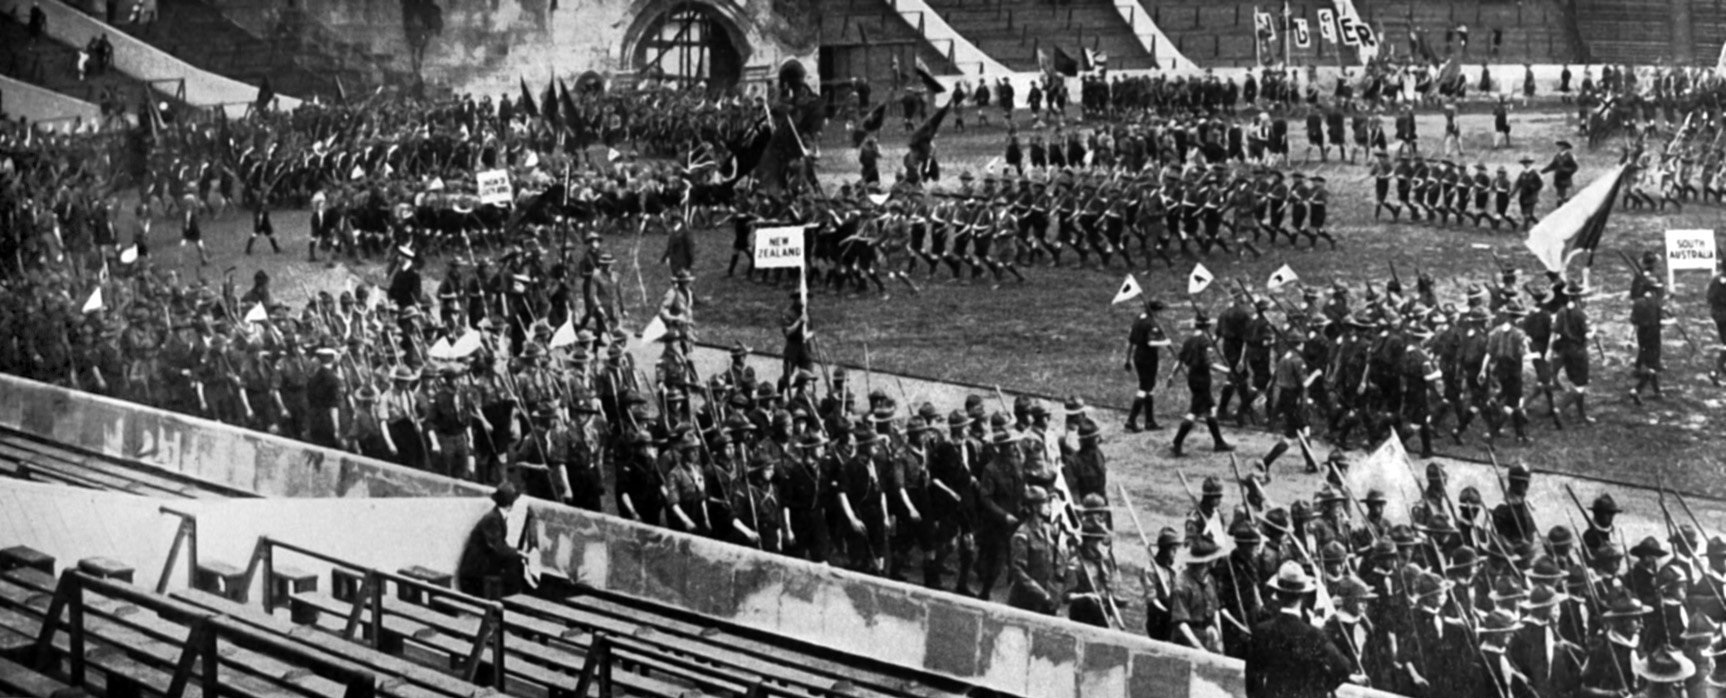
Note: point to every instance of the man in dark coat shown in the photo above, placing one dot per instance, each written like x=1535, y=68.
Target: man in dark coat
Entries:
x=488, y=552
x=1286, y=655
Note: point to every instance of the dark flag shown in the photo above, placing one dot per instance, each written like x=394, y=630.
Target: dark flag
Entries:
x=870, y=124
x=526, y=104
x=1064, y=64
x=784, y=150
x=548, y=105
x=924, y=136
x=1577, y=225
x=266, y=94
x=572, y=118
x=928, y=77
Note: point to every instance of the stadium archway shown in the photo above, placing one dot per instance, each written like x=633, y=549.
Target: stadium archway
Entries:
x=686, y=42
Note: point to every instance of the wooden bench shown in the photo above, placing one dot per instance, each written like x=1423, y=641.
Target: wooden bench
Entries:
x=42, y=467
x=384, y=664
x=746, y=647
x=545, y=636
x=221, y=578
x=639, y=640
x=122, y=677
x=19, y=680
x=104, y=568
x=25, y=556
x=131, y=630
x=417, y=573
x=149, y=479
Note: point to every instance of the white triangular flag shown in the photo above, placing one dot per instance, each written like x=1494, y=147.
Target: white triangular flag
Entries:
x=257, y=313
x=653, y=331
x=466, y=345
x=532, y=160
x=612, y=155
x=1129, y=290
x=129, y=255
x=1283, y=276
x=1199, y=280
x=440, y=350
x=993, y=163
x=565, y=335
x=95, y=302
x=357, y=173
x=879, y=199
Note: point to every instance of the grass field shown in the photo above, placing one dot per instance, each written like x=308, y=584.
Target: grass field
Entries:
x=1057, y=335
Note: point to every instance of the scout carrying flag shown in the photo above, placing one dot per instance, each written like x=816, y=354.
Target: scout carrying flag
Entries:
x=1577, y=226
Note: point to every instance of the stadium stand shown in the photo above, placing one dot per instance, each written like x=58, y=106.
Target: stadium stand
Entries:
x=52, y=64
x=1012, y=31
x=864, y=38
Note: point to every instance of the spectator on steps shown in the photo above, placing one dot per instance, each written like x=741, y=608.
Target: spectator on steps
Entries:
x=488, y=553
x=38, y=21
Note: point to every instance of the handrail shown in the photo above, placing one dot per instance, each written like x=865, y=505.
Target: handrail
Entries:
x=490, y=634
x=187, y=537
x=208, y=629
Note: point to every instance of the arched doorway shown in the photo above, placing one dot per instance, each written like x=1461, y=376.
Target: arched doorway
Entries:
x=690, y=42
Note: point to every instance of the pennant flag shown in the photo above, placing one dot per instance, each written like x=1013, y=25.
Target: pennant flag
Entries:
x=95, y=302
x=880, y=199
x=994, y=162
x=612, y=155
x=565, y=335
x=925, y=133
x=871, y=123
x=1327, y=24
x=1386, y=470
x=1281, y=277
x=532, y=160
x=654, y=330
x=1577, y=225
x=1302, y=38
x=928, y=77
x=466, y=345
x=257, y=313
x=526, y=105
x=1095, y=60
x=440, y=350
x=1720, y=63
x=357, y=173
x=548, y=105
x=1199, y=280
x=1064, y=64
x=1128, y=291
x=129, y=255
x=266, y=94
x=1044, y=65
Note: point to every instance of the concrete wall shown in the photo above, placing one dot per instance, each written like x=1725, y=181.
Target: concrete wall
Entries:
x=143, y=61
x=36, y=104
x=486, y=45
x=269, y=465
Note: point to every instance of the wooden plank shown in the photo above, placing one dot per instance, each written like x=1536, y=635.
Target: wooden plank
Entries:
x=115, y=478
x=99, y=655
x=19, y=680
x=135, y=472
x=377, y=661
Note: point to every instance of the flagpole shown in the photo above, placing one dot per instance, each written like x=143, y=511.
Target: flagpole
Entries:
x=1288, y=59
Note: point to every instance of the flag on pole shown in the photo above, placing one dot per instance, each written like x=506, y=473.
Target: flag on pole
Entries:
x=129, y=255
x=466, y=345
x=1095, y=60
x=526, y=105
x=1044, y=64
x=1387, y=470
x=1129, y=290
x=440, y=349
x=1199, y=280
x=880, y=199
x=611, y=155
x=654, y=330
x=1720, y=63
x=1576, y=226
x=257, y=313
x=1283, y=276
x=1327, y=24
x=565, y=335
x=95, y=302
x=1302, y=37
x=1064, y=64
x=928, y=77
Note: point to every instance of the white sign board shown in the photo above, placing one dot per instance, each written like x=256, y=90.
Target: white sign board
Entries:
x=779, y=248
x=493, y=187
x=1689, y=250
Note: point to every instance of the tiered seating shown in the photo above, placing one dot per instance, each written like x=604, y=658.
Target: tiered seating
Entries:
x=1627, y=31
x=29, y=458
x=55, y=66
x=200, y=35
x=1011, y=31
x=1221, y=34
x=863, y=39
x=122, y=641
